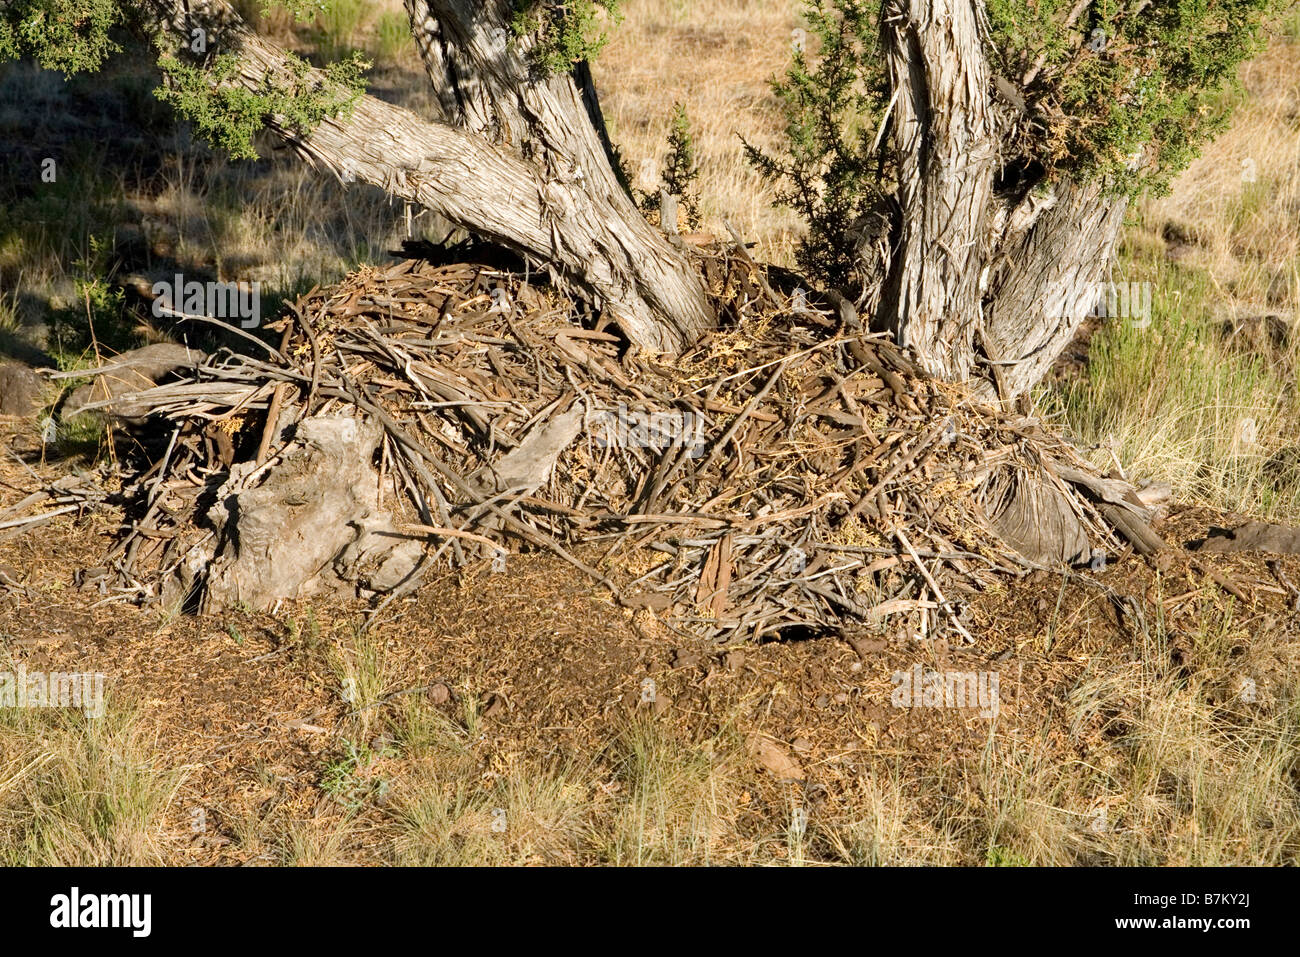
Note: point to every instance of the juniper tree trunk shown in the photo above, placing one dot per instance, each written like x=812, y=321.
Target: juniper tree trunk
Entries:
x=943, y=135
x=1043, y=280
x=489, y=84
x=993, y=271
x=989, y=275
x=515, y=158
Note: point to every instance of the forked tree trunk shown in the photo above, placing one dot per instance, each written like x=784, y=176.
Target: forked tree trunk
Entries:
x=987, y=286
x=487, y=83
x=986, y=283
x=558, y=205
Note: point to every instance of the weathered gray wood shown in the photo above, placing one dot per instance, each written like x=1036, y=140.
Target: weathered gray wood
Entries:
x=153, y=361
x=527, y=467
x=1038, y=520
x=988, y=289
x=946, y=158
x=566, y=215
x=1044, y=280
x=311, y=525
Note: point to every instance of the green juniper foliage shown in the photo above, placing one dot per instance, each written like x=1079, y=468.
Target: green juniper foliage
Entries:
x=228, y=116
x=74, y=36
x=829, y=171
x=1128, y=81
x=568, y=31
x=71, y=36
x=680, y=171
x=98, y=317
x=1127, y=92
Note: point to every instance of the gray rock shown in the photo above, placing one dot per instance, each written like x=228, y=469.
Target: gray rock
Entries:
x=1252, y=537
x=22, y=391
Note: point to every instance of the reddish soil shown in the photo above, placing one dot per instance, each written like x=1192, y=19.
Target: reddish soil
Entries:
x=556, y=663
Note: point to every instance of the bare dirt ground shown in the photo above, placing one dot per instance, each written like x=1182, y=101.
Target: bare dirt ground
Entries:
x=251, y=709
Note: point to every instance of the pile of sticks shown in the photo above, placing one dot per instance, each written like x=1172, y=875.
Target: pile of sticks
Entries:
x=67, y=496
x=790, y=472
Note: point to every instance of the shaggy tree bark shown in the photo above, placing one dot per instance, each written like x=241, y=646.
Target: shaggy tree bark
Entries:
x=988, y=285
x=1044, y=280
x=487, y=84
x=943, y=135
x=990, y=272
x=557, y=204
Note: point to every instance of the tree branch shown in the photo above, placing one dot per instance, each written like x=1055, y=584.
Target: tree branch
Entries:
x=643, y=284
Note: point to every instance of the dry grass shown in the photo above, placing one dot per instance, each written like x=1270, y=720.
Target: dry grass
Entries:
x=81, y=791
x=716, y=57
x=1193, y=772
x=1240, y=202
x=1179, y=399
x=1135, y=763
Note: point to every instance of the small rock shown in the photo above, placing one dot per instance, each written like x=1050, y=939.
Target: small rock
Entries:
x=773, y=758
x=1253, y=537
x=1155, y=493
x=655, y=601
x=21, y=390
x=439, y=693
x=686, y=659
x=865, y=647
x=801, y=745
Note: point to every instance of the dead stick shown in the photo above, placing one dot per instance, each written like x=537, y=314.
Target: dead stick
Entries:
x=1227, y=584
x=272, y=417
x=934, y=586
